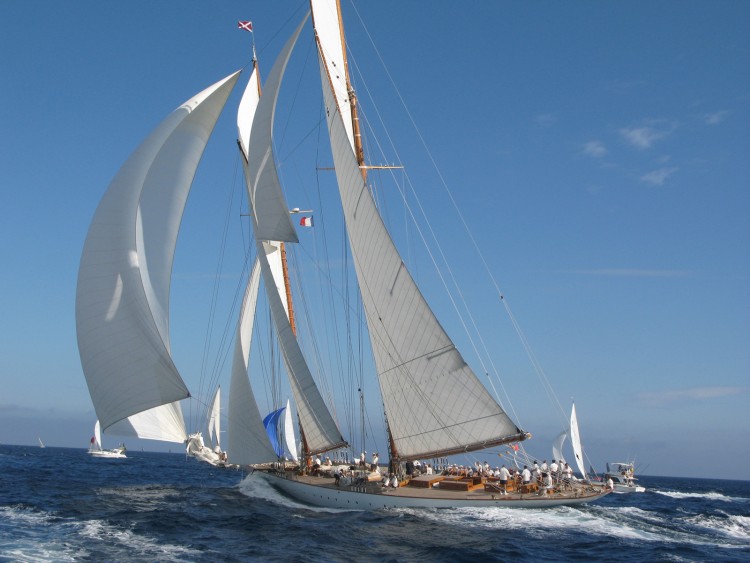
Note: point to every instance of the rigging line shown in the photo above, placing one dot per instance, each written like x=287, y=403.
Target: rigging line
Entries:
x=446, y=265
x=324, y=383
x=332, y=318
x=442, y=180
x=214, y=295
x=534, y=362
x=294, y=16
x=225, y=342
x=297, y=91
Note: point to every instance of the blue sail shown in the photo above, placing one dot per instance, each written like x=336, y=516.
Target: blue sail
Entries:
x=271, y=422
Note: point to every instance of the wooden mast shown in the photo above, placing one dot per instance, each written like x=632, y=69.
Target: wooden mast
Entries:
x=359, y=150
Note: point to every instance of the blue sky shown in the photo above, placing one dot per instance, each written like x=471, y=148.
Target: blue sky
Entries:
x=598, y=151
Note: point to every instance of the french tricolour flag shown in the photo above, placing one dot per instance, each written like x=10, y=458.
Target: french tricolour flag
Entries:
x=306, y=222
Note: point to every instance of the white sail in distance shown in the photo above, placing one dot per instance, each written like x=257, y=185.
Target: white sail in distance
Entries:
x=214, y=420
x=575, y=440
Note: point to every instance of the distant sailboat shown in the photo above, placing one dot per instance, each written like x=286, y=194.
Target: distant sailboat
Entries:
x=95, y=446
x=211, y=452
x=575, y=442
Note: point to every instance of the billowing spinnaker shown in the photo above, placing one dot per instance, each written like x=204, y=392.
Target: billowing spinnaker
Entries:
x=122, y=297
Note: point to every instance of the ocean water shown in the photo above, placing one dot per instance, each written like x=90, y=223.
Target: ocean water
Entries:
x=59, y=504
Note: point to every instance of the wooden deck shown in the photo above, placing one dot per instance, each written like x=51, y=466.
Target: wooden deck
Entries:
x=422, y=487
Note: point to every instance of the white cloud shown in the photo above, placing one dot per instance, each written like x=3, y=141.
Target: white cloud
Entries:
x=595, y=149
x=545, y=119
x=693, y=394
x=716, y=117
x=642, y=137
x=659, y=176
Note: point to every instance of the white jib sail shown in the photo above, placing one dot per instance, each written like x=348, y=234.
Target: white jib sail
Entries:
x=247, y=441
x=214, y=420
x=122, y=297
x=434, y=403
x=320, y=430
x=575, y=440
x=291, y=441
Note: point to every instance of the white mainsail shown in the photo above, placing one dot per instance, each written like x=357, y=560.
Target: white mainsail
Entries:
x=122, y=298
x=434, y=403
x=266, y=199
x=97, y=445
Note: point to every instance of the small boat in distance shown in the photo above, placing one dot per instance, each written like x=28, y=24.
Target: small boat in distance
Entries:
x=623, y=478
x=95, y=447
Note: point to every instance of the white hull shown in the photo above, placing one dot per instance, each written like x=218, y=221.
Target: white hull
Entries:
x=108, y=454
x=629, y=489
x=328, y=495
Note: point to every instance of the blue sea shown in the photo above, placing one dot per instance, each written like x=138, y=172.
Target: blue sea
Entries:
x=59, y=504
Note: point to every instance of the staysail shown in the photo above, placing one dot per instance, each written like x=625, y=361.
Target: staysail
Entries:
x=214, y=420
x=270, y=214
x=122, y=298
x=434, y=403
x=291, y=442
x=247, y=441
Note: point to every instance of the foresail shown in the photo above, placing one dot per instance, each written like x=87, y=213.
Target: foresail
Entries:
x=575, y=440
x=214, y=420
x=269, y=207
x=291, y=442
x=246, y=110
x=122, y=298
x=247, y=442
x=320, y=430
x=435, y=405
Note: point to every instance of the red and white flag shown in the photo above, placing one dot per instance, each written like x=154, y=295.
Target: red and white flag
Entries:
x=306, y=222
x=247, y=26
